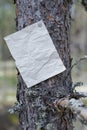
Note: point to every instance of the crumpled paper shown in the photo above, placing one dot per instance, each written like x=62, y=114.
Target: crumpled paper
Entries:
x=35, y=54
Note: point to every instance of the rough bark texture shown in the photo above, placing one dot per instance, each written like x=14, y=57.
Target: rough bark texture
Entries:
x=37, y=113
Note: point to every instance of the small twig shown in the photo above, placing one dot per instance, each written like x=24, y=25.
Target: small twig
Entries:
x=76, y=85
x=75, y=64
x=83, y=94
x=78, y=95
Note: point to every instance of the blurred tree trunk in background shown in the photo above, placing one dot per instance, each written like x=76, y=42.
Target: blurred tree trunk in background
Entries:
x=37, y=113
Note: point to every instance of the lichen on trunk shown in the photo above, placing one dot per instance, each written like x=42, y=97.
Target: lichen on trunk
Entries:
x=38, y=113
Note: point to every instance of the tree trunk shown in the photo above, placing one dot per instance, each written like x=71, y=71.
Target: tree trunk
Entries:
x=37, y=112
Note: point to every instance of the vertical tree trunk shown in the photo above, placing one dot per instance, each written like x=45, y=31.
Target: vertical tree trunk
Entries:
x=38, y=114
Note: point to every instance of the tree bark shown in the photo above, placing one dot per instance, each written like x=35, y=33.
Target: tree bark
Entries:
x=37, y=113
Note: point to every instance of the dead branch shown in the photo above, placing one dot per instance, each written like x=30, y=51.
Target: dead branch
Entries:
x=78, y=95
x=76, y=106
x=75, y=64
x=82, y=94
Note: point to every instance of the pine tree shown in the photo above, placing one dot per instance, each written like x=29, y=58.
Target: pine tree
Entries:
x=37, y=111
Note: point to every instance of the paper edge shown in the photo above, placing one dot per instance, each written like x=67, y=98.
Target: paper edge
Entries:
x=46, y=77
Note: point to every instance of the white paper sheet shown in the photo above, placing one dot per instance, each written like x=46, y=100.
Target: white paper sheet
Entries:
x=35, y=54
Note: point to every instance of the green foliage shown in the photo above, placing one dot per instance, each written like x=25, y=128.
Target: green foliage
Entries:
x=13, y=119
x=79, y=0
x=7, y=25
x=11, y=81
